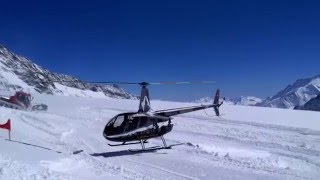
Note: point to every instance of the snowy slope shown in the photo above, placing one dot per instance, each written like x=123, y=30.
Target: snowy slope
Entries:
x=17, y=72
x=245, y=143
x=296, y=94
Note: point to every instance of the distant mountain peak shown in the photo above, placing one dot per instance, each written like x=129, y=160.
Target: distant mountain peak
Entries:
x=245, y=100
x=242, y=100
x=296, y=94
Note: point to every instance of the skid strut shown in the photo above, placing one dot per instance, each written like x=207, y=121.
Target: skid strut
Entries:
x=164, y=142
x=142, y=144
x=151, y=148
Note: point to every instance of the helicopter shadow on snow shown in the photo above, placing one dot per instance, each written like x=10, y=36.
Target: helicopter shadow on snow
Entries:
x=153, y=150
x=106, y=154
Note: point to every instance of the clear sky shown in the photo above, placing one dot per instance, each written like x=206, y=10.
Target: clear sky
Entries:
x=250, y=47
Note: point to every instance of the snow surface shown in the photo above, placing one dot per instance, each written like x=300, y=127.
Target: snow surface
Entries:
x=70, y=91
x=245, y=143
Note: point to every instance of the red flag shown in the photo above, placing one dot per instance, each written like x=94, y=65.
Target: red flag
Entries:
x=7, y=125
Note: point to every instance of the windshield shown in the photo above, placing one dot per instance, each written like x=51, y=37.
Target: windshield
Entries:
x=119, y=121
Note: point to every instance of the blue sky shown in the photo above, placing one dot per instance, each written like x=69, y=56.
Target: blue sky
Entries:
x=248, y=47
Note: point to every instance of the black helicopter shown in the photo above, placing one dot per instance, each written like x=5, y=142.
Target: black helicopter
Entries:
x=144, y=124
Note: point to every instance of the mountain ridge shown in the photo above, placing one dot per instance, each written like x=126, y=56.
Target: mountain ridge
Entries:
x=18, y=72
x=296, y=94
x=241, y=100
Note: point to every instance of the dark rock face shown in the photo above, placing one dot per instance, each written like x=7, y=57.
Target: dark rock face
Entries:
x=312, y=105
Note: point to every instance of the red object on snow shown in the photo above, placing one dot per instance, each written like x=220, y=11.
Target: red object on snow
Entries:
x=21, y=98
x=7, y=125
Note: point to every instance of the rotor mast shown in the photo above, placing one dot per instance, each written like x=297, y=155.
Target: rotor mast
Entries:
x=144, y=105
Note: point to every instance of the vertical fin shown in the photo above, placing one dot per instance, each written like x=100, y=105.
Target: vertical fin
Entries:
x=144, y=105
x=216, y=103
x=216, y=97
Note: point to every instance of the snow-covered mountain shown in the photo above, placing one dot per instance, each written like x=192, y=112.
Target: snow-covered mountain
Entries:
x=204, y=100
x=312, y=105
x=17, y=72
x=296, y=94
x=242, y=100
x=245, y=100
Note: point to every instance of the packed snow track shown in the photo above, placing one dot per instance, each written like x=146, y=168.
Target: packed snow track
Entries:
x=245, y=143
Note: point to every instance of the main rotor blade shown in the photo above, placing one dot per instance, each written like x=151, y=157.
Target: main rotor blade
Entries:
x=113, y=82
x=184, y=82
x=153, y=83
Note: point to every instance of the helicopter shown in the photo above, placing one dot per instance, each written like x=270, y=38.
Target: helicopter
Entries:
x=137, y=127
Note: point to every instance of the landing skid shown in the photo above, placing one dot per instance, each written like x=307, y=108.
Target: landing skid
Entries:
x=124, y=144
x=151, y=148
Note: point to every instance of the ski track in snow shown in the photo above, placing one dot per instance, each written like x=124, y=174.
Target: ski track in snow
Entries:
x=211, y=147
x=284, y=139
x=170, y=172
